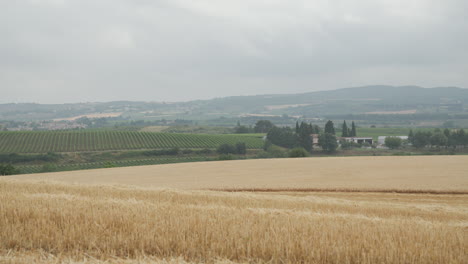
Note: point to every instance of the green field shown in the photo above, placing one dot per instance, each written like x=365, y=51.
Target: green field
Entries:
x=25, y=169
x=78, y=141
x=386, y=131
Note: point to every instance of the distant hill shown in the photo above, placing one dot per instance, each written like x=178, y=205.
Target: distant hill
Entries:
x=348, y=100
x=377, y=100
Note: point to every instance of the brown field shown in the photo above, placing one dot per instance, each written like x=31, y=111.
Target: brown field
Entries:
x=409, y=173
x=43, y=222
x=95, y=115
x=277, y=107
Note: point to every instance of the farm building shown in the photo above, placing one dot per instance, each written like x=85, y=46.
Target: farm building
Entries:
x=358, y=140
x=315, y=139
x=381, y=139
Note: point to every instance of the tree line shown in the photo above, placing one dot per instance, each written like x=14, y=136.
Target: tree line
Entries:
x=457, y=138
x=301, y=135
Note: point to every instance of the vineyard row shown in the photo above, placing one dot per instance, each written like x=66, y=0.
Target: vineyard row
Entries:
x=79, y=141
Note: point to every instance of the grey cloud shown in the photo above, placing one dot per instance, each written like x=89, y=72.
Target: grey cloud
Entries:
x=86, y=50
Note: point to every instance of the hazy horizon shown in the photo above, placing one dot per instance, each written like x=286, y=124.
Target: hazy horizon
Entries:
x=69, y=51
x=234, y=95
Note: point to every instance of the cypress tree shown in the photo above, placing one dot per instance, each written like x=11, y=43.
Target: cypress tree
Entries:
x=353, y=130
x=330, y=128
x=316, y=129
x=411, y=136
x=328, y=142
x=344, y=132
x=447, y=132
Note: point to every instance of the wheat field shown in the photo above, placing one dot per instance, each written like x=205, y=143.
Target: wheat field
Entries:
x=65, y=223
x=438, y=173
x=266, y=217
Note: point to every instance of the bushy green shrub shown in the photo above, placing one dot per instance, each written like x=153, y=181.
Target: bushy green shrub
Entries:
x=204, y=151
x=239, y=148
x=162, y=152
x=226, y=149
x=298, y=153
x=348, y=144
x=393, y=142
x=48, y=168
x=277, y=152
x=226, y=157
x=8, y=170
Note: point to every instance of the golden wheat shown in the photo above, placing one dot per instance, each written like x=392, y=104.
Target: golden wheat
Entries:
x=56, y=223
x=428, y=173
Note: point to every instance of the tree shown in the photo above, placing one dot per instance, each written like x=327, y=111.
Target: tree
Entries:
x=330, y=127
x=283, y=137
x=459, y=138
x=267, y=144
x=241, y=148
x=411, y=136
x=447, y=132
x=344, y=130
x=393, y=142
x=463, y=137
x=303, y=134
x=8, y=170
x=241, y=130
x=353, y=130
x=422, y=139
x=439, y=139
x=226, y=149
x=328, y=142
x=315, y=129
x=349, y=144
x=305, y=141
x=263, y=126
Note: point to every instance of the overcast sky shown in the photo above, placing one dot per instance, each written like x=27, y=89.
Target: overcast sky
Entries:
x=56, y=51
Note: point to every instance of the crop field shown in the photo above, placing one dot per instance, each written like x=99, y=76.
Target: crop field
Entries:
x=387, y=131
x=434, y=173
x=75, y=141
x=62, y=223
x=308, y=210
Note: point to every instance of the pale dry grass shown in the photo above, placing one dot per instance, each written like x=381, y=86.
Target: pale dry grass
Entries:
x=94, y=115
x=413, y=173
x=60, y=223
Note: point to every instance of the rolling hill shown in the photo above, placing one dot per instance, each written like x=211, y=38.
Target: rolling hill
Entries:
x=357, y=100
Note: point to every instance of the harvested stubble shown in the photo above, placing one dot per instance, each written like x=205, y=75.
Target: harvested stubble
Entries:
x=58, y=222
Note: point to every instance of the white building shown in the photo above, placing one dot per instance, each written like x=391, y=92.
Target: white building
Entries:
x=359, y=140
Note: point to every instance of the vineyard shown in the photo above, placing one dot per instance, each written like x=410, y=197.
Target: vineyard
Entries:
x=77, y=141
